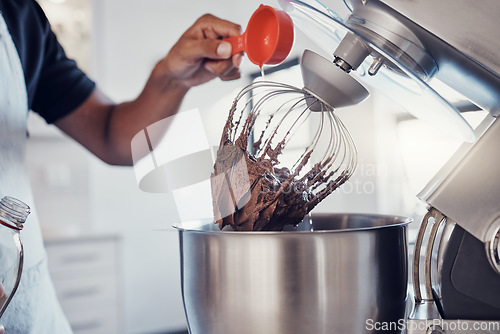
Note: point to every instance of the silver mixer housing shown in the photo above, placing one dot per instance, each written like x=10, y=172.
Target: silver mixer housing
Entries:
x=461, y=36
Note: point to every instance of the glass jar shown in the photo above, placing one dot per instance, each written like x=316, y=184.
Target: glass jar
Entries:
x=13, y=214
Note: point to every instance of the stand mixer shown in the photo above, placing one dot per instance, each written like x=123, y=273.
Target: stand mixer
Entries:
x=388, y=44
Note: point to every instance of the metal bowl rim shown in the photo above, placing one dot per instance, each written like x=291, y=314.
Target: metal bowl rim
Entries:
x=402, y=221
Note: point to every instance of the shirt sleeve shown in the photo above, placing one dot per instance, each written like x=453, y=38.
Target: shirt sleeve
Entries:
x=61, y=86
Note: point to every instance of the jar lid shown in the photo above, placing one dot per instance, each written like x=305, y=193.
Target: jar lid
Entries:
x=13, y=212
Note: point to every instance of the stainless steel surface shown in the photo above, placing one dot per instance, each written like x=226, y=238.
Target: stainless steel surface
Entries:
x=352, y=50
x=328, y=277
x=440, y=247
x=433, y=218
x=436, y=181
x=461, y=36
x=390, y=33
x=407, y=72
x=329, y=83
x=493, y=245
x=467, y=25
x=376, y=65
x=469, y=193
x=418, y=322
x=425, y=319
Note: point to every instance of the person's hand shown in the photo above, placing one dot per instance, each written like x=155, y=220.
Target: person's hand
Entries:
x=200, y=55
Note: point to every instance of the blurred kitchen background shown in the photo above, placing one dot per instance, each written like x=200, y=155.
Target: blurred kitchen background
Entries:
x=112, y=250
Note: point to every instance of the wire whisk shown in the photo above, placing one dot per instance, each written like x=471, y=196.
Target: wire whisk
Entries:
x=277, y=158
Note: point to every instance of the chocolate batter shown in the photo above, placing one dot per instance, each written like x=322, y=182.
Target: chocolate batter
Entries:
x=252, y=193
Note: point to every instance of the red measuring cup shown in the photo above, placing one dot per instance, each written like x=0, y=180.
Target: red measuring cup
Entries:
x=268, y=38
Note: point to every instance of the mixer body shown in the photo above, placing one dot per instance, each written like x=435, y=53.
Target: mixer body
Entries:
x=463, y=272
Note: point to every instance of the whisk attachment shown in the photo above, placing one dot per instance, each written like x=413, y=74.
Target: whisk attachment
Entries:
x=265, y=176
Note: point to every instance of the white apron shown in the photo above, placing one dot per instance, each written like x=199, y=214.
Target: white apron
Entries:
x=34, y=308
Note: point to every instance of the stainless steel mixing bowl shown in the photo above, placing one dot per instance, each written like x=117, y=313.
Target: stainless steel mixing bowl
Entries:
x=340, y=273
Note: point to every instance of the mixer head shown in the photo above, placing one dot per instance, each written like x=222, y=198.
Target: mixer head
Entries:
x=378, y=50
x=329, y=84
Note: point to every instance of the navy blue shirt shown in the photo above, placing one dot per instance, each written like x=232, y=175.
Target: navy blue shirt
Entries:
x=54, y=83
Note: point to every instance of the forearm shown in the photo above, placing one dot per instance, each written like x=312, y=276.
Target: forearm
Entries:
x=106, y=129
x=160, y=98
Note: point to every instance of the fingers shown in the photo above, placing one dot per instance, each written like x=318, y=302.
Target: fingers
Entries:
x=215, y=53
x=196, y=49
x=225, y=69
x=213, y=27
x=2, y=329
x=201, y=54
x=237, y=58
x=204, y=38
x=233, y=74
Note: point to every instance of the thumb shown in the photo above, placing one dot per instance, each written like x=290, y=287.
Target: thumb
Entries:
x=208, y=48
x=224, y=50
